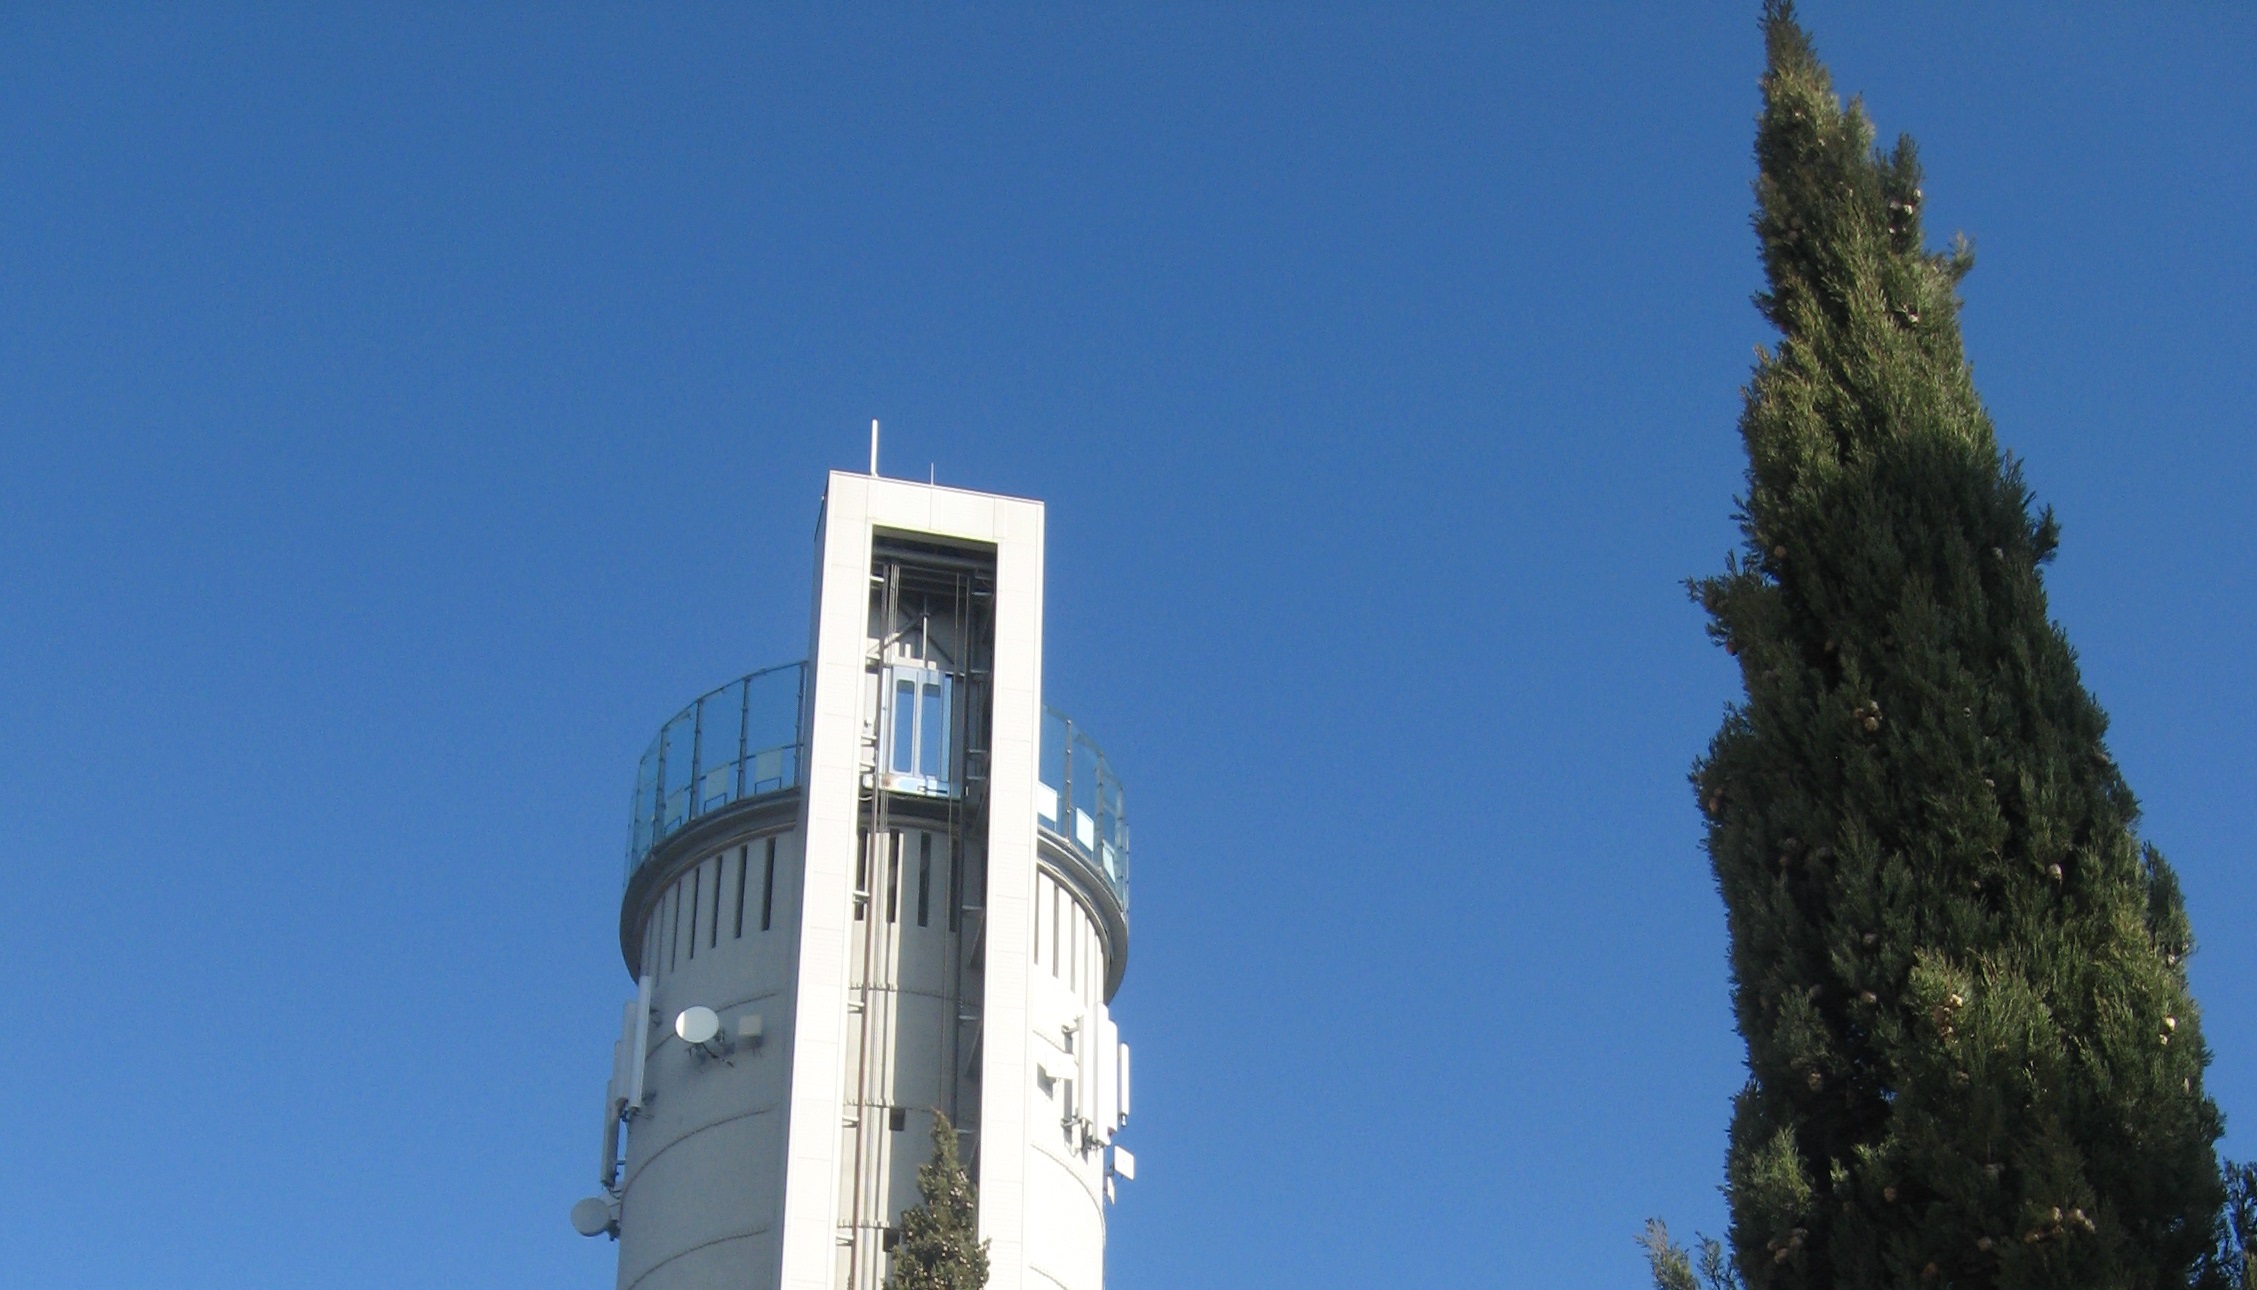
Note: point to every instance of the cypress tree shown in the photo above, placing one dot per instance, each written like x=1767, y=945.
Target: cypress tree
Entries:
x=1973, y=1058
x=940, y=1247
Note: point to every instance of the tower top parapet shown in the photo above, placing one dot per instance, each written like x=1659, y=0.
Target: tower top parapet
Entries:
x=742, y=743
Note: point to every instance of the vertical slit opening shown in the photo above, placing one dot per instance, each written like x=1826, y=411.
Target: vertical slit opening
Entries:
x=924, y=876
x=955, y=890
x=768, y=886
x=742, y=856
x=893, y=877
x=697, y=895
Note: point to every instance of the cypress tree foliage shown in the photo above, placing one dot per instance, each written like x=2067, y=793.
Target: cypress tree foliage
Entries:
x=940, y=1247
x=1973, y=1057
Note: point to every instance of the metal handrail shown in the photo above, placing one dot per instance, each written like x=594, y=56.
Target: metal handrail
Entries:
x=1080, y=800
x=738, y=741
x=747, y=739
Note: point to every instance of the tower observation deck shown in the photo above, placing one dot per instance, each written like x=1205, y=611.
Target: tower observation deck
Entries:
x=862, y=889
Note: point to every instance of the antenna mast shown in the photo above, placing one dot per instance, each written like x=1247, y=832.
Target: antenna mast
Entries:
x=873, y=447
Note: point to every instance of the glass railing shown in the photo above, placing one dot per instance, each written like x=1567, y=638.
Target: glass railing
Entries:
x=742, y=740
x=1078, y=799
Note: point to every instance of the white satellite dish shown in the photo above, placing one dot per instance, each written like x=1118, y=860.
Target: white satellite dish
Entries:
x=591, y=1217
x=697, y=1025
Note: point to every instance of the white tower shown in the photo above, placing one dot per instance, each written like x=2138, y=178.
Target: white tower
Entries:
x=861, y=889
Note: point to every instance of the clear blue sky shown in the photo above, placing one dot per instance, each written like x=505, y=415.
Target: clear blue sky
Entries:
x=402, y=413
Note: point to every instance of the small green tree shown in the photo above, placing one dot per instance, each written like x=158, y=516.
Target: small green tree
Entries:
x=940, y=1246
x=1973, y=1057
x=2229, y=1267
x=1674, y=1269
